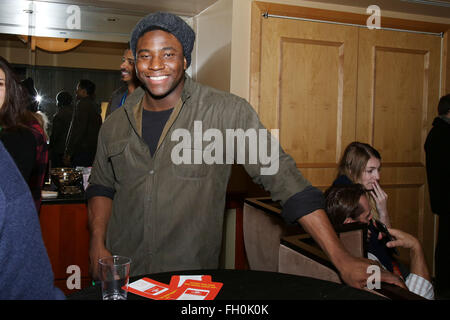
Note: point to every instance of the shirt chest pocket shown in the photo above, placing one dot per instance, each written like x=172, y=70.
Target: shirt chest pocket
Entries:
x=121, y=160
x=187, y=168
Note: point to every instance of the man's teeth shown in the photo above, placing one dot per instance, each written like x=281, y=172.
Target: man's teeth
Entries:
x=158, y=78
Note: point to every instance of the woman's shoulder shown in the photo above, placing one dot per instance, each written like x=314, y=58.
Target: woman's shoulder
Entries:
x=342, y=180
x=17, y=134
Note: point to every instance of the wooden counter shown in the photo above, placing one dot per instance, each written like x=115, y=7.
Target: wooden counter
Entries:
x=64, y=226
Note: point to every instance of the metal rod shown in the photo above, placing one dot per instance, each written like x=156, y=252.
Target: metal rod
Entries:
x=267, y=15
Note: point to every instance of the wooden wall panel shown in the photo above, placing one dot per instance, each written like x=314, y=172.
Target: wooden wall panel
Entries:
x=308, y=90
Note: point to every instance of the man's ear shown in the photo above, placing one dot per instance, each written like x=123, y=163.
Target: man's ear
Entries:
x=184, y=63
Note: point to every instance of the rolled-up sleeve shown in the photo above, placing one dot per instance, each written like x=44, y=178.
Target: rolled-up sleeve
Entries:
x=420, y=286
x=285, y=182
x=303, y=203
x=101, y=180
x=95, y=190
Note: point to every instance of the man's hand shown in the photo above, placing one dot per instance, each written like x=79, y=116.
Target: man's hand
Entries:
x=403, y=239
x=380, y=198
x=354, y=272
x=417, y=259
x=96, y=251
x=99, y=212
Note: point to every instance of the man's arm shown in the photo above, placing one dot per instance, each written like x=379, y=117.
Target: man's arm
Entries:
x=417, y=258
x=99, y=212
x=353, y=270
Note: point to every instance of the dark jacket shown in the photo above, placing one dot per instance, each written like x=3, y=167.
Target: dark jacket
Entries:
x=85, y=128
x=60, y=128
x=116, y=99
x=26, y=272
x=437, y=149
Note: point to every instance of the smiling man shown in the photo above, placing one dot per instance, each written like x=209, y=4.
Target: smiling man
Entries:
x=129, y=79
x=169, y=216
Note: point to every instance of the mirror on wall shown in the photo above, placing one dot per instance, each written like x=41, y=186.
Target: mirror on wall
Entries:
x=57, y=44
x=60, y=42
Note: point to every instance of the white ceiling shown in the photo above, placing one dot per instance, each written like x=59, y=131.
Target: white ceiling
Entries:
x=101, y=20
x=110, y=20
x=187, y=8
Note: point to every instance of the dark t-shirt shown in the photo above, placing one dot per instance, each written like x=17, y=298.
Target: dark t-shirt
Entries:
x=153, y=123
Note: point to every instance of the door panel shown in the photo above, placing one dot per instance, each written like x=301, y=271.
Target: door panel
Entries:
x=398, y=91
x=308, y=91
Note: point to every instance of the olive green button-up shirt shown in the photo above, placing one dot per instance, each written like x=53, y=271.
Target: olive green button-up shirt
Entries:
x=168, y=215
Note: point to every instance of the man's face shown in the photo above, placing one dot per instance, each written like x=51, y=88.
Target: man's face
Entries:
x=2, y=87
x=160, y=62
x=364, y=217
x=79, y=92
x=127, y=70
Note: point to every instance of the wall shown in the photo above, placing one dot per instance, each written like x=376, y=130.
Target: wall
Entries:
x=213, y=45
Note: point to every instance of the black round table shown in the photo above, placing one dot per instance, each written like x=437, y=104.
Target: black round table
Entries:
x=252, y=285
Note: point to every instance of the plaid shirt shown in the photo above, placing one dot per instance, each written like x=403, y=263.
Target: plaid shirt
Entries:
x=38, y=174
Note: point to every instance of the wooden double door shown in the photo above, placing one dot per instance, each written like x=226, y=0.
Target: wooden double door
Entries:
x=324, y=86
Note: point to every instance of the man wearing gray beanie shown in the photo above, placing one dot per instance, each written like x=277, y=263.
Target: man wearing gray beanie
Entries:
x=158, y=200
x=169, y=23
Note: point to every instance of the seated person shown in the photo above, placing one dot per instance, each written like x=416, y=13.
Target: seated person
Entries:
x=361, y=163
x=349, y=203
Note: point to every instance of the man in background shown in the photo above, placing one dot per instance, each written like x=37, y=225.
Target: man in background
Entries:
x=130, y=82
x=60, y=128
x=84, y=128
x=437, y=149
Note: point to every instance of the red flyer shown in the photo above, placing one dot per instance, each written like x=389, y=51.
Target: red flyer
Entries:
x=197, y=290
x=148, y=288
x=178, y=281
x=180, y=288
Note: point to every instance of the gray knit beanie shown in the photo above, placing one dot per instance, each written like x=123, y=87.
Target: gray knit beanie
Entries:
x=167, y=22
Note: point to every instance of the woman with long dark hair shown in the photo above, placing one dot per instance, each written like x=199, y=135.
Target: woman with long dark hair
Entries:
x=19, y=131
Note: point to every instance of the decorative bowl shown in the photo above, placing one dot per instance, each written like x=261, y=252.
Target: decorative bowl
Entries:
x=67, y=180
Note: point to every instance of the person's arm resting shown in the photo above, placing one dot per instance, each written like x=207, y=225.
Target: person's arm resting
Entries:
x=353, y=271
x=100, y=201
